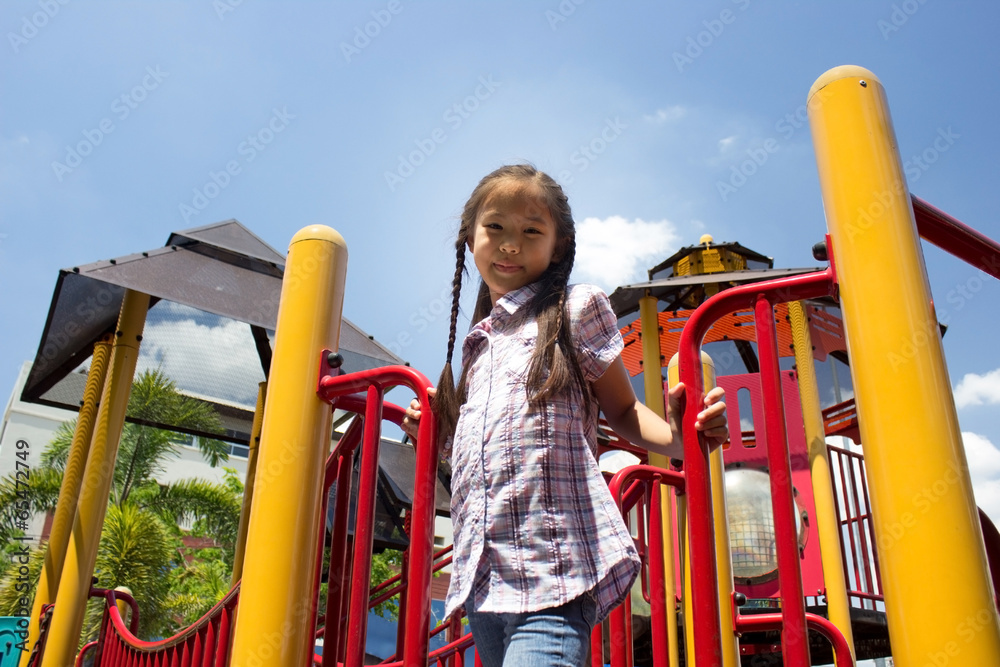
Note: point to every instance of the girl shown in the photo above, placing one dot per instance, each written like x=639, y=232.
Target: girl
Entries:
x=541, y=553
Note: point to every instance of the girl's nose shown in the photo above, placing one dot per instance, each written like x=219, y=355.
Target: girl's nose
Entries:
x=508, y=246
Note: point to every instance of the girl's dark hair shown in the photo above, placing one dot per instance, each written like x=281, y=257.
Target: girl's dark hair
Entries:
x=553, y=364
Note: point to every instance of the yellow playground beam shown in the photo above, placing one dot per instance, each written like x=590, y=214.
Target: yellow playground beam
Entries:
x=69, y=490
x=241, y=535
x=938, y=595
x=827, y=523
x=81, y=551
x=274, y=625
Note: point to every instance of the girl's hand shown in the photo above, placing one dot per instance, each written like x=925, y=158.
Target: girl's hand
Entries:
x=412, y=419
x=711, y=421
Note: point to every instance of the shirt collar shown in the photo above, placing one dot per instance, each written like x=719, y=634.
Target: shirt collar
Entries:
x=512, y=301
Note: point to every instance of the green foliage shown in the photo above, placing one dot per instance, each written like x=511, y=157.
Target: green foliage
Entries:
x=140, y=544
x=385, y=566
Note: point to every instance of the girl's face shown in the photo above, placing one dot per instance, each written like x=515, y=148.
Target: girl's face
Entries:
x=513, y=239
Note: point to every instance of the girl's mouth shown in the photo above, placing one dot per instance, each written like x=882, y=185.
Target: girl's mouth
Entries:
x=506, y=268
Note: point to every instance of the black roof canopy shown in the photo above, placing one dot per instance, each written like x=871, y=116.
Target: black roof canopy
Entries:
x=222, y=269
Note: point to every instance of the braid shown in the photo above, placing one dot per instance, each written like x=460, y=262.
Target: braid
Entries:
x=446, y=402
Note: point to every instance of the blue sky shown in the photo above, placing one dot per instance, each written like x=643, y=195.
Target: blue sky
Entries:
x=378, y=118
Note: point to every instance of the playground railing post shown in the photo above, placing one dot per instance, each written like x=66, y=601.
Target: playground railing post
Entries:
x=69, y=491
x=938, y=595
x=81, y=552
x=274, y=626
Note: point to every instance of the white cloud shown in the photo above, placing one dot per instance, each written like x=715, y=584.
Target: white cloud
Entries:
x=978, y=389
x=984, y=468
x=615, y=251
x=214, y=361
x=666, y=115
x=726, y=144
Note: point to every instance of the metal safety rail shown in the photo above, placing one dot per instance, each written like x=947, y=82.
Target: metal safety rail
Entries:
x=348, y=598
x=761, y=298
x=203, y=644
x=639, y=486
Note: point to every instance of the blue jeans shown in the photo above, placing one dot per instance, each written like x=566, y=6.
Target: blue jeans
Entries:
x=554, y=637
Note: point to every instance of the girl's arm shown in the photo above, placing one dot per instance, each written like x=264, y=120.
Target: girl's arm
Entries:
x=641, y=426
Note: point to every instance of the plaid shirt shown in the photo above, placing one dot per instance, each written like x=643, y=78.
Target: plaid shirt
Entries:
x=535, y=525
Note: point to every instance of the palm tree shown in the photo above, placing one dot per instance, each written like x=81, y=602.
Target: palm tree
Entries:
x=141, y=538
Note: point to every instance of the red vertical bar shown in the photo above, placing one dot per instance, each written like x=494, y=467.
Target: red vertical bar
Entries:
x=616, y=636
x=222, y=650
x=657, y=577
x=849, y=518
x=364, y=528
x=862, y=531
x=196, y=652
x=794, y=636
x=403, y=579
x=840, y=522
x=418, y=601
x=209, y=651
x=596, y=647
x=869, y=528
x=338, y=581
x=339, y=571
x=701, y=518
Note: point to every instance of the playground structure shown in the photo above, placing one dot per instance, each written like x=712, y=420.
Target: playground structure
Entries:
x=906, y=420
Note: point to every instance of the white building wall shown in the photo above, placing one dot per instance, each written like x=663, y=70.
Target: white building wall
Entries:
x=37, y=424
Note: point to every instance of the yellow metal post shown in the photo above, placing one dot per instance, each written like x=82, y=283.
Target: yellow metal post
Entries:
x=922, y=504
x=827, y=523
x=241, y=539
x=723, y=553
x=69, y=490
x=653, y=385
x=274, y=626
x=81, y=551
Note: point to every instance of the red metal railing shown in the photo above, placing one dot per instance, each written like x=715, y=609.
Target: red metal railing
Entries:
x=348, y=581
x=962, y=241
x=705, y=602
x=204, y=644
x=639, y=486
x=857, y=536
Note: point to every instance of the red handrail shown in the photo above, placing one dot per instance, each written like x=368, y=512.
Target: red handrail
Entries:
x=952, y=236
x=629, y=486
x=705, y=602
x=341, y=391
x=118, y=646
